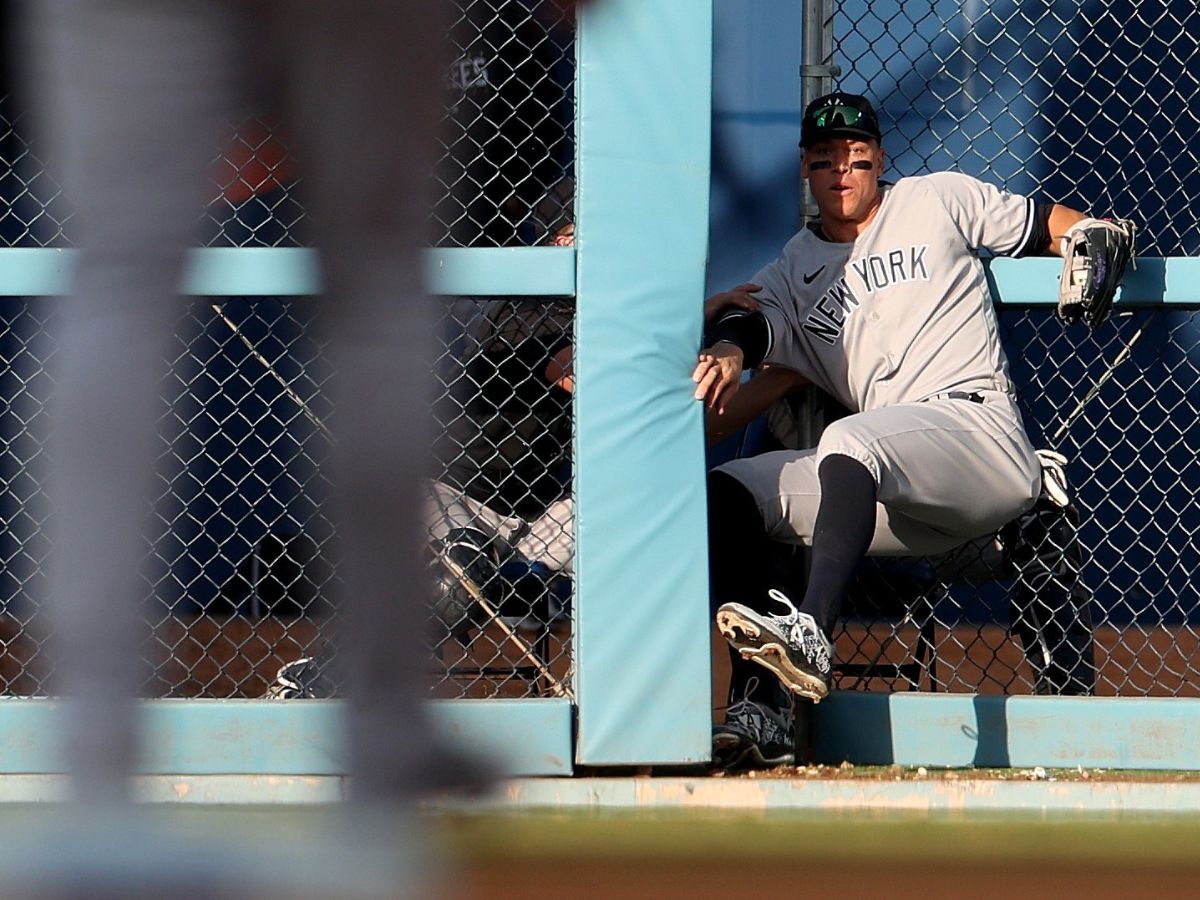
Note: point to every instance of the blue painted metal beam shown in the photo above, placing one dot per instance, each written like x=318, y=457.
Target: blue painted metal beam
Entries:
x=294, y=737
x=532, y=271
x=1034, y=281
x=914, y=729
x=507, y=271
x=293, y=271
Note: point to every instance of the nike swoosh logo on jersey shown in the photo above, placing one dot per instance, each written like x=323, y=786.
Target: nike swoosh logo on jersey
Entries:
x=809, y=278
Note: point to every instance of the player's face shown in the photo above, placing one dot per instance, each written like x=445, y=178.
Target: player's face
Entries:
x=843, y=174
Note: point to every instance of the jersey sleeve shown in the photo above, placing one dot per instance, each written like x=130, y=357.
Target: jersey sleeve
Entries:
x=1001, y=222
x=778, y=305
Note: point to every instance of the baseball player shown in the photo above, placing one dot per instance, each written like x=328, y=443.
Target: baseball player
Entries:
x=884, y=305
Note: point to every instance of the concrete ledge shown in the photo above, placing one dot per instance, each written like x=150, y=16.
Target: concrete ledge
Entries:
x=734, y=794
x=219, y=790
x=302, y=738
x=779, y=794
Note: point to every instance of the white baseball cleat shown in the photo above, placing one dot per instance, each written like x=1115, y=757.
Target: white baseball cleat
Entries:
x=791, y=646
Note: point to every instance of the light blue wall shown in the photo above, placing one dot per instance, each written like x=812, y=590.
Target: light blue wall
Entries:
x=756, y=127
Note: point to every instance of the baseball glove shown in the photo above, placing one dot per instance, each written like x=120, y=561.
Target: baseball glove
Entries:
x=1095, y=254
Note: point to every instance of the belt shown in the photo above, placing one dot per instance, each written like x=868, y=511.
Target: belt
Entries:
x=973, y=397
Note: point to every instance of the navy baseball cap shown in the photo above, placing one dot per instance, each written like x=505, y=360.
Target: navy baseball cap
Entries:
x=839, y=115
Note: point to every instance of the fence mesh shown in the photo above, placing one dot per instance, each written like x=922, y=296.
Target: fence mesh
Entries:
x=1096, y=597
x=499, y=512
x=1093, y=105
x=506, y=147
x=245, y=555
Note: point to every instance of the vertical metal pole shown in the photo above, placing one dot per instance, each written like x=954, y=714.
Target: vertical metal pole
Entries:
x=255, y=580
x=817, y=72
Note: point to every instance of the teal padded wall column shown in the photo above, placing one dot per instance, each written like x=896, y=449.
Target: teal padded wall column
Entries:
x=642, y=631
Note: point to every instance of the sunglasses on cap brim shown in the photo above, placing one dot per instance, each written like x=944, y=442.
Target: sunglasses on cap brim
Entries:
x=838, y=116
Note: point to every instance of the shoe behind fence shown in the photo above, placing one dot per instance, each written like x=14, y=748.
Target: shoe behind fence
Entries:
x=754, y=735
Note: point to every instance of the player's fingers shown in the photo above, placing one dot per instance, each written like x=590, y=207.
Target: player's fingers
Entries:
x=704, y=388
x=719, y=385
x=702, y=366
x=725, y=394
x=748, y=288
x=745, y=301
x=719, y=395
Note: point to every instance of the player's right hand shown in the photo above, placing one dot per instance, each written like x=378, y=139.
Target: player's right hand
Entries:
x=738, y=296
x=718, y=374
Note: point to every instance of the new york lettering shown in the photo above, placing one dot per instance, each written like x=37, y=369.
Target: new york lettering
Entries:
x=830, y=311
x=882, y=270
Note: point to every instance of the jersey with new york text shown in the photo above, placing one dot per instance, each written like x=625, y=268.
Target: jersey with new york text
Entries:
x=903, y=312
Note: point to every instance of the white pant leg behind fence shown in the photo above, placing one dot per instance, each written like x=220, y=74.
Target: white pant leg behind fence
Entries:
x=551, y=537
x=548, y=539
x=445, y=508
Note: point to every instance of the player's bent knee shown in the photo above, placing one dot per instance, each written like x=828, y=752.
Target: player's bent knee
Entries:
x=843, y=438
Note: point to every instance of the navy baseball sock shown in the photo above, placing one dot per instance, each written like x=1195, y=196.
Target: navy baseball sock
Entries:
x=842, y=533
x=742, y=568
x=739, y=551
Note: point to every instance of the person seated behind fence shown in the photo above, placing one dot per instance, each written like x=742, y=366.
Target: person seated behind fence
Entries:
x=898, y=325
x=502, y=503
x=500, y=516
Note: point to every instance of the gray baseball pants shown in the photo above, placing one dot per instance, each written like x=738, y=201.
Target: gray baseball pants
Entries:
x=947, y=471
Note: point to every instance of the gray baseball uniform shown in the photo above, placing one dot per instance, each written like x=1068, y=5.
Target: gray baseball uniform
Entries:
x=887, y=325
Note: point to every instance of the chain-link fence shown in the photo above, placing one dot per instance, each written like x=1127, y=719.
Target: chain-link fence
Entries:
x=1090, y=103
x=507, y=143
x=1092, y=597
x=500, y=511
x=1095, y=105
x=244, y=553
x=1083, y=103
